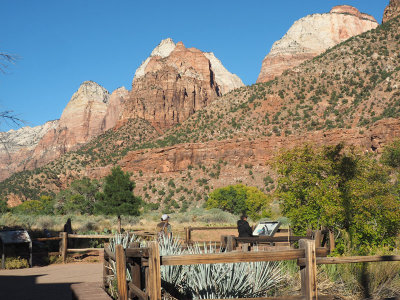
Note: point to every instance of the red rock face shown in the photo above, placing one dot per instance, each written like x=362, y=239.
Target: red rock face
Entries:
x=312, y=35
x=80, y=121
x=179, y=157
x=172, y=89
x=391, y=11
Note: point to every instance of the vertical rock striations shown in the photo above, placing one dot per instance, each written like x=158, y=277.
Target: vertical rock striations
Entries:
x=174, y=82
x=81, y=120
x=391, y=11
x=312, y=35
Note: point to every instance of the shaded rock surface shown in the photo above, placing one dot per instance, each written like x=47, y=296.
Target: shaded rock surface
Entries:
x=312, y=35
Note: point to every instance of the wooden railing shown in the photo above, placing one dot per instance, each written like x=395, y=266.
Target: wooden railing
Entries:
x=64, y=237
x=145, y=265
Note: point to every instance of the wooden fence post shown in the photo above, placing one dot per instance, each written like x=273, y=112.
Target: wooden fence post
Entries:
x=136, y=267
x=331, y=241
x=119, y=224
x=230, y=243
x=121, y=272
x=318, y=238
x=154, y=272
x=188, y=235
x=63, y=246
x=309, y=271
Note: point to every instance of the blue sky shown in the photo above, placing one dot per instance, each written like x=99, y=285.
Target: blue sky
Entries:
x=62, y=43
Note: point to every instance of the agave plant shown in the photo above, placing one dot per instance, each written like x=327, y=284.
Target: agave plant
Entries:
x=207, y=281
x=124, y=240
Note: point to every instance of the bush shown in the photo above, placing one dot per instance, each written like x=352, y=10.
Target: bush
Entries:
x=239, y=199
x=16, y=263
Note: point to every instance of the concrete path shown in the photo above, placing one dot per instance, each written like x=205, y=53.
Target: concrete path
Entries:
x=51, y=282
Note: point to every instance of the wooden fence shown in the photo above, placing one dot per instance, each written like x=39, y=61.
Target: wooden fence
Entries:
x=145, y=265
x=64, y=237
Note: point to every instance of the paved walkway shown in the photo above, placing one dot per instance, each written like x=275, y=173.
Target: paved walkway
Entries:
x=51, y=282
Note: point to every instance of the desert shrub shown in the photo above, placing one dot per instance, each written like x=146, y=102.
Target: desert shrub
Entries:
x=16, y=263
x=44, y=206
x=238, y=199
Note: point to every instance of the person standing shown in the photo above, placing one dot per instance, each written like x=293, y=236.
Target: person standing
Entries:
x=244, y=228
x=164, y=229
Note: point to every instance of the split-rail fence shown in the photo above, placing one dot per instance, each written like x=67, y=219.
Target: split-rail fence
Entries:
x=145, y=265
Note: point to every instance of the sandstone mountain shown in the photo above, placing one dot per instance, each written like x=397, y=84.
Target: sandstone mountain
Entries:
x=16, y=146
x=349, y=93
x=169, y=86
x=312, y=35
x=391, y=11
x=175, y=82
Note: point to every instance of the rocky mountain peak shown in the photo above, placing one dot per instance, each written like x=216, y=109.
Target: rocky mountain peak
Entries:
x=91, y=91
x=351, y=10
x=312, y=35
x=391, y=11
x=167, y=48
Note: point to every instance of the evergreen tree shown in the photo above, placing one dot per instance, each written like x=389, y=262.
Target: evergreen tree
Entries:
x=117, y=197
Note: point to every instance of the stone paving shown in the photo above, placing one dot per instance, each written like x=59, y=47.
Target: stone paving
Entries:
x=50, y=282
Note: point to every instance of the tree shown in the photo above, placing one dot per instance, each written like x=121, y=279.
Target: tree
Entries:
x=117, y=197
x=341, y=189
x=44, y=206
x=239, y=199
x=79, y=197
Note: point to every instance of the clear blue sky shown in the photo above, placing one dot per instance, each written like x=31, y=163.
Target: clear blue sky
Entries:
x=62, y=43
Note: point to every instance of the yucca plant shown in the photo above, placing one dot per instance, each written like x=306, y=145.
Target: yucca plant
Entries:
x=206, y=281
x=124, y=240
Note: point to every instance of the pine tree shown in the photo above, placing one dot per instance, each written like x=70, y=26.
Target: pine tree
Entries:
x=117, y=197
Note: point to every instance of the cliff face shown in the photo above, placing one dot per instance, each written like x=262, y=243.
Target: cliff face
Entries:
x=391, y=11
x=312, y=35
x=80, y=121
x=174, y=82
x=18, y=145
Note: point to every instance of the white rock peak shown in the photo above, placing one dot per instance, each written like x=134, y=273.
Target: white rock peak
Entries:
x=90, y=90
x=225, y=79
x=164, y=49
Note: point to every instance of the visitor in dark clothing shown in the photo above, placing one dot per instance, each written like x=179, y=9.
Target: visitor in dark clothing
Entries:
x=244, y=228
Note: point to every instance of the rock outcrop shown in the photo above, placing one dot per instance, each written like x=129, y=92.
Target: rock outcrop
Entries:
x=174, y=82
x=16, y=146
x=81, y=120
x=391, y=11
x=312, y=35
x=115, y=107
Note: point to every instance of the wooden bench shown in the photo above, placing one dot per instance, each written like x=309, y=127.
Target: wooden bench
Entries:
x=88, y=291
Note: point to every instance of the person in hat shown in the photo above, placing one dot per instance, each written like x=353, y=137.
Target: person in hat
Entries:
x=244, y=228
x=163, y=228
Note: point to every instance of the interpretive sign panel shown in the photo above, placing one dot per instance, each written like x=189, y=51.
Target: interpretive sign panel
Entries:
x=266, y=228
x=15, y=237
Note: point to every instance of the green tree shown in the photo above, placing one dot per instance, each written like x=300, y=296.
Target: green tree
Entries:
x=79, y=197
x=341, y=189
x=3, y=206
x=238, y=199
x=391, y=154
x=44, y=206
x=117, y=197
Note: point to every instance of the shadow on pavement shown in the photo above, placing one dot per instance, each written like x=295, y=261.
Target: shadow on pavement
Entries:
x=27, y=288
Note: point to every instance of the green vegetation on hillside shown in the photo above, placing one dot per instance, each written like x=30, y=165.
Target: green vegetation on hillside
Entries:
x=342, y=189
